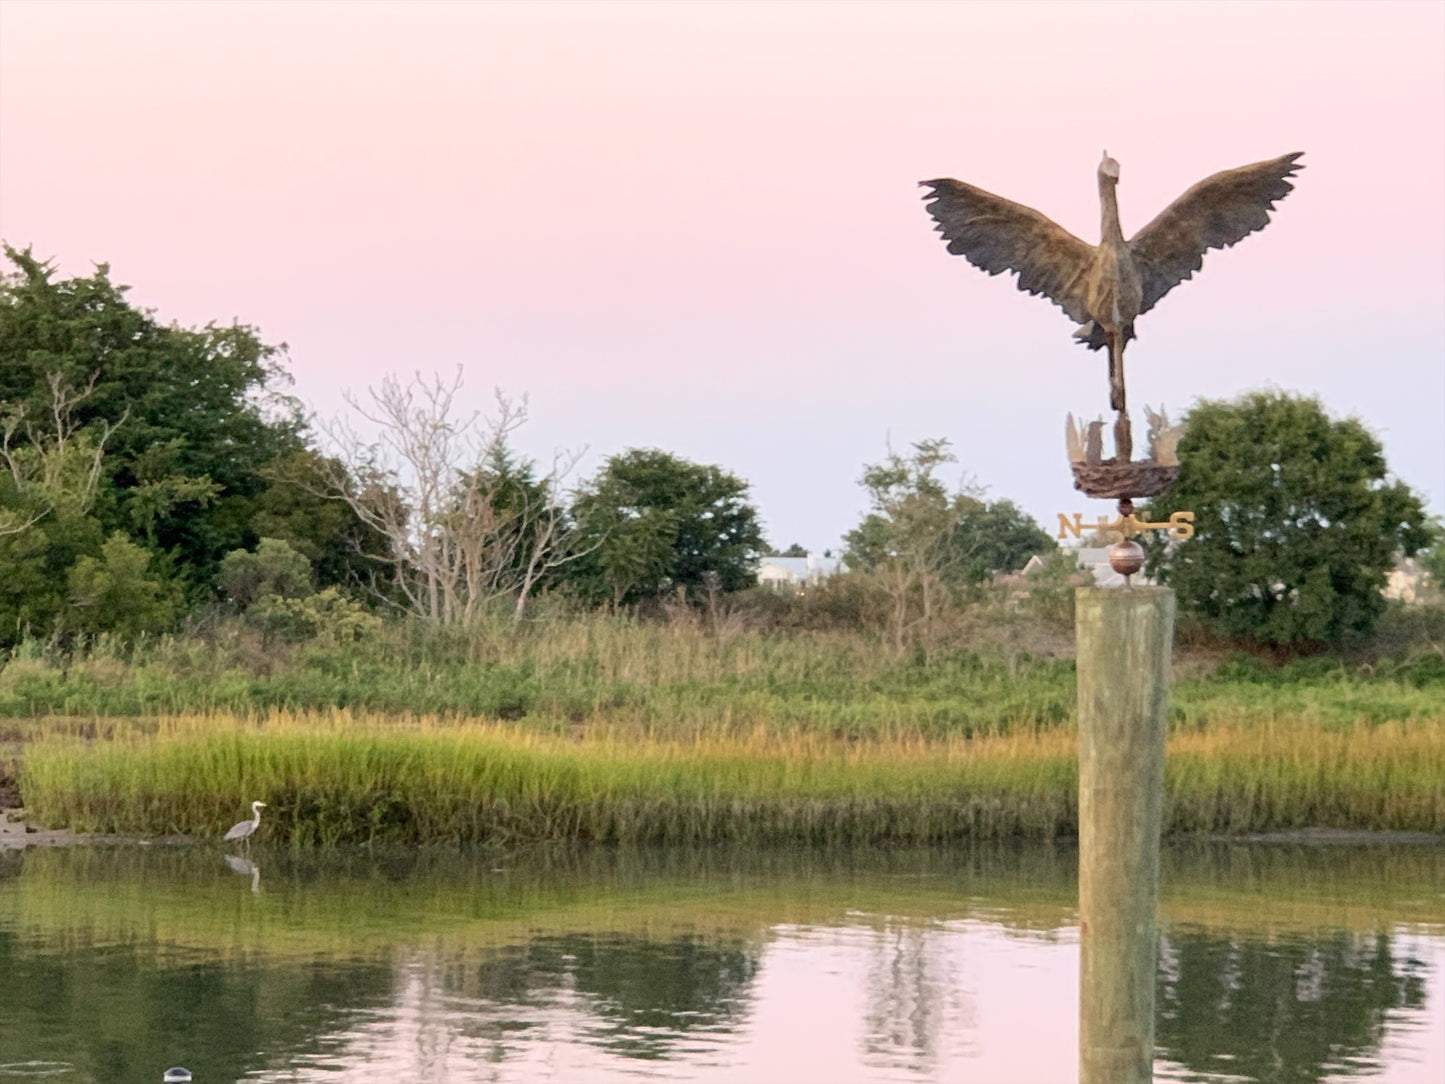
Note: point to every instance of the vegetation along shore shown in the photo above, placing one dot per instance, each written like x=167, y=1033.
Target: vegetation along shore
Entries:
x=345, y=779
x=394, y=626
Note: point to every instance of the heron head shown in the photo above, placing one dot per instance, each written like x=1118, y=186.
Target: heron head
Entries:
x=1109, y=168
x=254, y=805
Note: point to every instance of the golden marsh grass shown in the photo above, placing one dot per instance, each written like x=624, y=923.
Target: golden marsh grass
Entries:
x=334, y=778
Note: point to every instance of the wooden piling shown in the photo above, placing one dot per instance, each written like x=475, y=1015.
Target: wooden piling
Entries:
x=1124, y=648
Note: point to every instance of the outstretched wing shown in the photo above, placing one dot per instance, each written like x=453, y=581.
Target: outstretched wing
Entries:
x=1215, y=213
x=999, y=235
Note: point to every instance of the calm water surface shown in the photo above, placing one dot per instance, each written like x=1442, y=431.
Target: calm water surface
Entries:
x=1277, y=963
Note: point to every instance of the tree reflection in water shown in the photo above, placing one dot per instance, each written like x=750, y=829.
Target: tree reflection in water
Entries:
x=1281, y=1011
x=913, y=994
x=645, y=996
x=874, y=965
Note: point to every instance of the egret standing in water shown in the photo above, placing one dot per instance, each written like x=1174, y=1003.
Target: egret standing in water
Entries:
x=244, y=829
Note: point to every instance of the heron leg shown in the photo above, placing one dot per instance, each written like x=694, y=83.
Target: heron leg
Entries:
x=1116, y=371
x=1123, y=438
x=1123, y=432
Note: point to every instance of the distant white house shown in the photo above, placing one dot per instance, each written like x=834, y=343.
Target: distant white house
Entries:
x=1019, y=579
x=1405, y=581
x=797, y=573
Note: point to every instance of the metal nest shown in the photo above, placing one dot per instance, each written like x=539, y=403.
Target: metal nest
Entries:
x=1110, y=480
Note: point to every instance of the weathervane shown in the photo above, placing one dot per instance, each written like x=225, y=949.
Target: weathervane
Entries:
x=1122, y=639
x=1104, y=288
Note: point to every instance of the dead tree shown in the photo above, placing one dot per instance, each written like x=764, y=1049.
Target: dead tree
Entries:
x=462, y=532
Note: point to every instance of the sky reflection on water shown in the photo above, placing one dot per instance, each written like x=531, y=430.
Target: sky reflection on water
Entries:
x=711, y=967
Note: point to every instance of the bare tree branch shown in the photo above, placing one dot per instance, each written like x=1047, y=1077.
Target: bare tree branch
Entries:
x=465, y=525
x=55, y=467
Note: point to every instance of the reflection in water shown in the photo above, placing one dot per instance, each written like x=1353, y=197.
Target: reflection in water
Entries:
x=1275, y=965
x=1287, y=1009
x=124, y=1013
x=553, y=1003
x=246, y=868
x=912, y=990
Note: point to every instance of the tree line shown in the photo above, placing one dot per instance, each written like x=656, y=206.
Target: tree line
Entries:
x=149, y=472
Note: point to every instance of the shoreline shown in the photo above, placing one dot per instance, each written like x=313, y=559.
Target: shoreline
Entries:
x=19, y=835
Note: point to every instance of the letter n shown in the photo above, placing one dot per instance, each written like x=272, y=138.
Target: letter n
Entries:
x=1075, y=528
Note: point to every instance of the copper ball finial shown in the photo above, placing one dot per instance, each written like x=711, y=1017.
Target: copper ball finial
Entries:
x=1126, y=558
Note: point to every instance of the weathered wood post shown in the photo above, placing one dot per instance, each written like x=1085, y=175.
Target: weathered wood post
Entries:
x=1124, y=647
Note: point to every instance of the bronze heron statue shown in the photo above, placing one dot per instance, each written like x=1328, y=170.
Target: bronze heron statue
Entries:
x=1106, y=287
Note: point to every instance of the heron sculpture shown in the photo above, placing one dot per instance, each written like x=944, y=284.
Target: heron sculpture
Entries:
x=1106, y=287
x=243, y=829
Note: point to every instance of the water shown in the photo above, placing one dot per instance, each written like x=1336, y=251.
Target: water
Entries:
x=1277, y=963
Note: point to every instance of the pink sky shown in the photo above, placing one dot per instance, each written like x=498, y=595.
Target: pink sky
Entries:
x=696, y=226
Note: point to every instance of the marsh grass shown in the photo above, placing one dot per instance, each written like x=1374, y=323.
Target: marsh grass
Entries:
x=1294, y=773
x=674, y=679
x=337, y=778
x=616, y=730
x=340, y=779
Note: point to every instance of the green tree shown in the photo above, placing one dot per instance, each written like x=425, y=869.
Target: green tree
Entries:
x=907, y=541
x=1296, y=522
x=534, y=530
x=996, y=536
x=191, y=421
x=34, y=564
x=1432, y=557
x=651, y=522
x=48, y=464
x=50, y=473
x=273, y=589
x=118, y=592
x=201, y=407
x=923, y=541
x=294, y=508
x=275, y=568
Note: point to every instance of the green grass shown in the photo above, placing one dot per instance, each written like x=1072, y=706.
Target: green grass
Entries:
x=609, y=729
x=675, y=680
x=343, y=779
x=583, y=671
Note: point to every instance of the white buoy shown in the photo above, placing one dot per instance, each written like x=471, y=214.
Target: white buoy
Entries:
x=177, y=1075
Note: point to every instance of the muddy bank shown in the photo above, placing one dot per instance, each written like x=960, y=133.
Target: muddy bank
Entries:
x=1327, y=837
x=17, y=834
